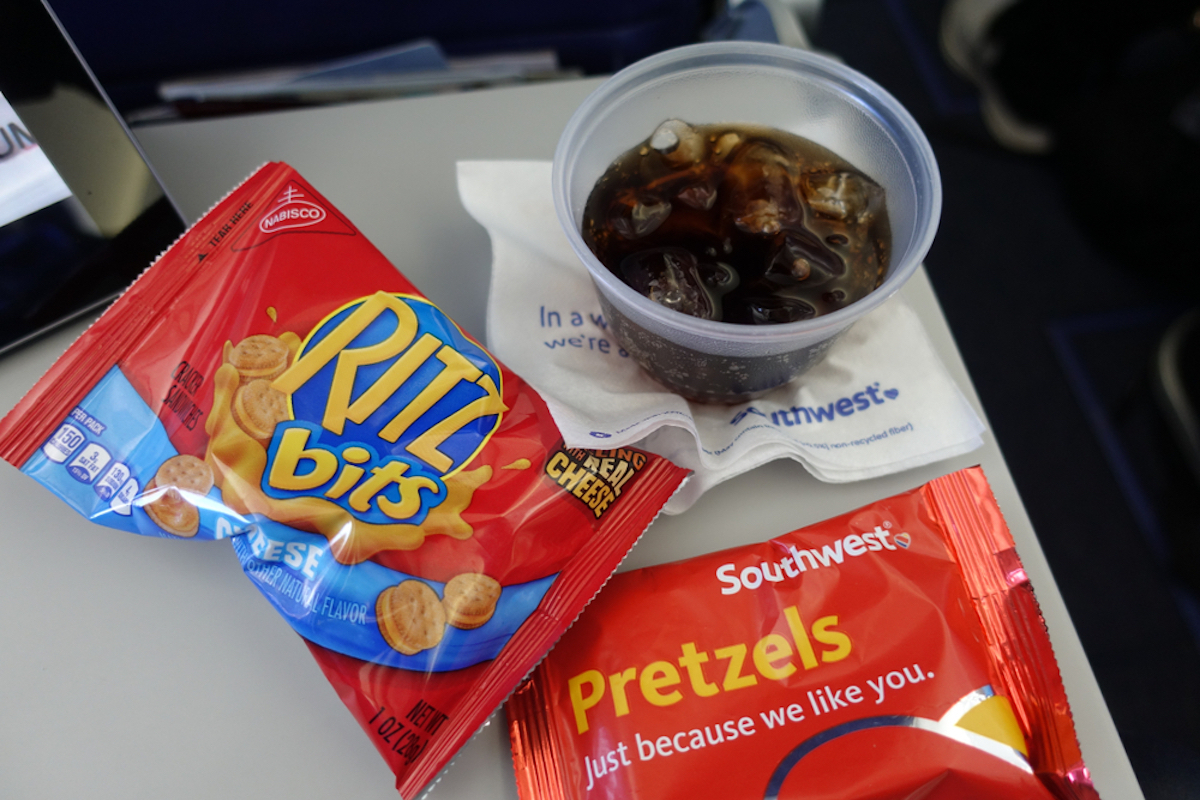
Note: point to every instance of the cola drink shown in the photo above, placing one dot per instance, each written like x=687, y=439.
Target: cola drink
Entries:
x=739, y=223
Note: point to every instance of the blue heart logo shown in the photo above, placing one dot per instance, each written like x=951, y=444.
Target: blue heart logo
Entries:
x=891, y=394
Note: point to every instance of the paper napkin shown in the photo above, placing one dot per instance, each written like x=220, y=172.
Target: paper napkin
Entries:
x=881, y=401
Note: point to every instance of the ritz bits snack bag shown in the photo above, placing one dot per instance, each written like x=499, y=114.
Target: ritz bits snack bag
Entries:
x=893, y=652
x=401, y=498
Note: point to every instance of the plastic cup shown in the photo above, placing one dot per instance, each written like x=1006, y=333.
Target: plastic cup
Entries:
x=745, y=82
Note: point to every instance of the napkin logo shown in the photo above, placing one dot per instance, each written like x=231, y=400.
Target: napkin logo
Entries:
x=296, y=209
x=857, y=403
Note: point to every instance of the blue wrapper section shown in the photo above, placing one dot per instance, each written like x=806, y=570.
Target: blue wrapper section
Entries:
x=333, y=605
x=100, y=459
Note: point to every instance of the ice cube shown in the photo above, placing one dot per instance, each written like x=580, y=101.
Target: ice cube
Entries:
x=847, y=196
x=718, y=280
x=802, y=257
x=762, y=216
x=760, y=193
x=669, y=276
x=718, y=276
x=700, y=196
x=678, y=142
x=726, y=144
x=633, y=218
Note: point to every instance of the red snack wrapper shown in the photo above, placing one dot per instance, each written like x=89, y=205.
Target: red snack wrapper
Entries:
x=895, y=651
x=401, y=498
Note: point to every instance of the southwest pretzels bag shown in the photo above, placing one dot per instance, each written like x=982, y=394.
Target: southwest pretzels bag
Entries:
x=402, y=499
x=893, y=652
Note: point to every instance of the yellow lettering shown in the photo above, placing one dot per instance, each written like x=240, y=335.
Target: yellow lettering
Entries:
x=292, y=450
x=840, y=641
x=345, y=482
x=800, y=636
x=691, y=660
x=350, y=474
x=617, y=682
x=602, y=504
x=579, y=703
x=734, y=679
x=572, y=474
x=585, y=482
x=335, y=344
x=770, y=649
x=457, y=368
x=425, y=446
x=554, y=467
x=661, y=682
x=381, y=478
x=618, y=472
x=382, y=389
x=410, y=498
x=656, y=677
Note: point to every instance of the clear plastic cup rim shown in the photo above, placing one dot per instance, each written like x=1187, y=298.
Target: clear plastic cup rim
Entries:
x=856, y=88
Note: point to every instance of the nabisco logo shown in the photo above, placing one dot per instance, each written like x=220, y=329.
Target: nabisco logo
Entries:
x=293, y=211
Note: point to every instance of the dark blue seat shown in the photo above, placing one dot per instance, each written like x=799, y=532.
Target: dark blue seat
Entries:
x=132, y=45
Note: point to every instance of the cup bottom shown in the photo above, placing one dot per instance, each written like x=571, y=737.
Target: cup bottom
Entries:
x=706, y=377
